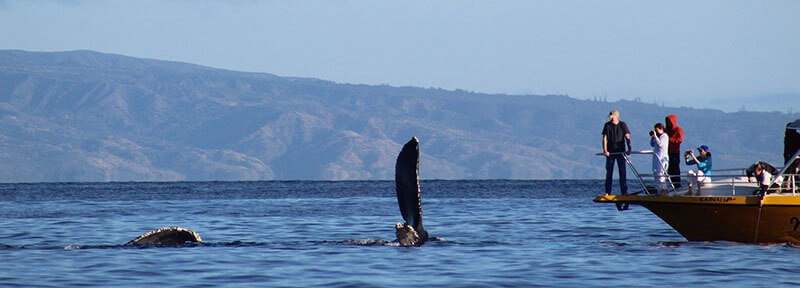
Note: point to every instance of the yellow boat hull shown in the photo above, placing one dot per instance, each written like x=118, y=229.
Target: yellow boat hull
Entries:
x=749, y=219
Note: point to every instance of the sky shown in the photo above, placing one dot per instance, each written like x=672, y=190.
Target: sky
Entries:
x=729, y=55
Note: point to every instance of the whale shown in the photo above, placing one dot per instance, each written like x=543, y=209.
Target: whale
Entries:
x=166, y=236
x=406, y=177
x=409, y=233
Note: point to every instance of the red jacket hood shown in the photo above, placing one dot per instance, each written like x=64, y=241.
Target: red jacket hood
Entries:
x=672, y=120
x=675, y=134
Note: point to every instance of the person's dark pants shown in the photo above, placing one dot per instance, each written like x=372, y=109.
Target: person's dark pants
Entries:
x=674, y=169
x=623, y=183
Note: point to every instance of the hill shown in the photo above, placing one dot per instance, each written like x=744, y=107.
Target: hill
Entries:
x=89, y=116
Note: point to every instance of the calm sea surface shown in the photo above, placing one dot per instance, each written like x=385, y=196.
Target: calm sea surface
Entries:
x=308, y=233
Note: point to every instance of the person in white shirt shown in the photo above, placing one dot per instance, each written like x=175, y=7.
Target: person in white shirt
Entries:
x=660, y=143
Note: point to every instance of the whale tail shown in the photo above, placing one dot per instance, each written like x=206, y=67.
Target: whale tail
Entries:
x=408, y=193
x=167, y=236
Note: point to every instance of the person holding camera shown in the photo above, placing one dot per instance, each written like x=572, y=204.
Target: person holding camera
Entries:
x=660, y=143
x=703, y=173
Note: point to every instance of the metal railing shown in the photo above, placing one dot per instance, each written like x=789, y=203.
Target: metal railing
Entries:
x=636, y=172
x=792, y=177
x=789, y=181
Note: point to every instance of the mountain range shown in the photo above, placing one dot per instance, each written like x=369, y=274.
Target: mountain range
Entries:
x=90, y=116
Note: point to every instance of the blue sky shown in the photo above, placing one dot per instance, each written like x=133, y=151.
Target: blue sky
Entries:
x=720, y=54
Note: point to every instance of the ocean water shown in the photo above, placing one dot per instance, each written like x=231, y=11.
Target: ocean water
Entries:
x=492, y=233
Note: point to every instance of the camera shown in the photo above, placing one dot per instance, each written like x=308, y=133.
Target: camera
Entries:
x=652, y=133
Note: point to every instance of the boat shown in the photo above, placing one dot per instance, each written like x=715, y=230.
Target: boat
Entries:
x=729, y=208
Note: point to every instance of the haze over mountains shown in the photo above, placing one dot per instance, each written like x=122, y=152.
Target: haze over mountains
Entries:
x=88, y=116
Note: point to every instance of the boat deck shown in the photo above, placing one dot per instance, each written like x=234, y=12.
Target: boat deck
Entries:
x=728, y=207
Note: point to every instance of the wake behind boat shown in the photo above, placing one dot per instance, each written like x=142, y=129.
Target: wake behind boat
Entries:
x=728, y=208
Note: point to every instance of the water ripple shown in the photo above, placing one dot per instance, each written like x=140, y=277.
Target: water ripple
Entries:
x=492, y=233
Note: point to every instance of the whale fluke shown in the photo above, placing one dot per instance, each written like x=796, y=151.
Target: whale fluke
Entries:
x=406, y=177
x=167, y=236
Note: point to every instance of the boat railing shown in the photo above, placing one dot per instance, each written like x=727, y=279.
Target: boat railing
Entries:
x=625, y=155
x=730, y=176
x=790, y=184
x=790, y=178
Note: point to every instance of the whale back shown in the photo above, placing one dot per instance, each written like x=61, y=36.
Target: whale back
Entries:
x=167, y=236
x=407, y=181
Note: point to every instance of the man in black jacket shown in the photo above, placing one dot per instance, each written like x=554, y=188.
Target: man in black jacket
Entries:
x=615, y=136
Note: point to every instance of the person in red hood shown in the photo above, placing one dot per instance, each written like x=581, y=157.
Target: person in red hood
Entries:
x=675, y=134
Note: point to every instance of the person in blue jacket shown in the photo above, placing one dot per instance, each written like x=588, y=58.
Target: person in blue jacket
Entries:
x=703, y=173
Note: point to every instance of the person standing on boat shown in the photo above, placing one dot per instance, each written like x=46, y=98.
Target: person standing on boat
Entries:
x=660, y=143
x=675, y=134
x=703, y=173
x=615, y=136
